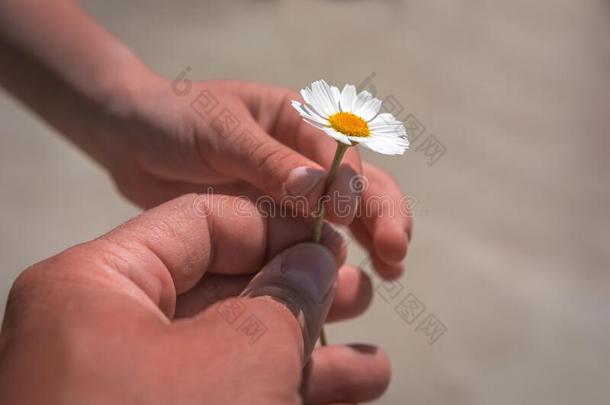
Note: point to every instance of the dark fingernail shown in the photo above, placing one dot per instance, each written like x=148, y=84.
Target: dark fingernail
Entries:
x=312, y=267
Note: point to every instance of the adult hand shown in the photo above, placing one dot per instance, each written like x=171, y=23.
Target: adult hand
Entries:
x=142, y=315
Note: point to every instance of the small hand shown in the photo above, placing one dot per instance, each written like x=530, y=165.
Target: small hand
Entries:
x=245, y=139
x=164, y=309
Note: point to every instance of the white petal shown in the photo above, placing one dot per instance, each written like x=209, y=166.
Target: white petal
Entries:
x=302, y=109
x=337, y=136
x=369, y=109
x=390, y=133
x=324, y=97
x=332, y=94
x=384, y=149
x=362, y=98
x=385, y=144
x=355, y=139
x=384, y=119
x=348, y=96
x=392, y=130
x=309, y=117
x=336, y=96
x=313, y=103
x=365, y=95
x=388, y=136
x=386, y=123
x=307, y=96
x=308, y=113
x=314, y=123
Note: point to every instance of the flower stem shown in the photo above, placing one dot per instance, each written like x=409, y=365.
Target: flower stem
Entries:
x=317, y=232
x=323, y=341
x=332, y=173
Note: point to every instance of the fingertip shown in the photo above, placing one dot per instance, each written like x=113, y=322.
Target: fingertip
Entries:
x=335, y=242
x=302, y=279
x=387, y=271
x=302, y=189
x=303, y=181
x=390, y=242
x=343, y=196
x=382, y=371
x=346, y=374
x=353, y=294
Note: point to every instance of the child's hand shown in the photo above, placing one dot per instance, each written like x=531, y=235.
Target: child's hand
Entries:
x=234, y=134
x=245, y=139
x=96, y=325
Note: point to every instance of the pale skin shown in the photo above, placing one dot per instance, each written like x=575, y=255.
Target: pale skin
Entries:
x=156, y=148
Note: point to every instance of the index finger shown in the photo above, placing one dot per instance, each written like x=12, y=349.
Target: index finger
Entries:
x=283, y=123
x=384, y=222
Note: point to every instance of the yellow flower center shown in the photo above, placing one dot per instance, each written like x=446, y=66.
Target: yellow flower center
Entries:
x=349, y=124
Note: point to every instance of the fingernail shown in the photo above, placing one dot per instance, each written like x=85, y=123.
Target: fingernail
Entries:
x=302, y=180
x=308, y=268
x=301, y=278
x=312, y=267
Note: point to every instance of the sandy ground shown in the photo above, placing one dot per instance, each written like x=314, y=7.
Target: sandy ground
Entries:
x=510, y=257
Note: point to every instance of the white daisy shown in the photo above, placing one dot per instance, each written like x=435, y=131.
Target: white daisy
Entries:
x=352, y=118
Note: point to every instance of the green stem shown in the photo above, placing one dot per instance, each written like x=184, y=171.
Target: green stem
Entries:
x=332, y=173
x=317, y=232
x=323, y=341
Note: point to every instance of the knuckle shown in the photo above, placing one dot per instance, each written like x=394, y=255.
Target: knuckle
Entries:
x=40, y=278
x=22, y=285
x=271, y=158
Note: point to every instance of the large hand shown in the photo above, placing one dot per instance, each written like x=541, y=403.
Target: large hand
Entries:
x=245, y=139
x=96, y=325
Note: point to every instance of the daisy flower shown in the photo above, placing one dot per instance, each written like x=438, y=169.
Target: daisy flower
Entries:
x=352, y=118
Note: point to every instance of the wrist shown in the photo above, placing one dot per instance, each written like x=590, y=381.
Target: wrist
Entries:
x=120, y=88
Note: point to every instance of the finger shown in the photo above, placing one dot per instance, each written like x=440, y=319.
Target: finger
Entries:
x=301, y=278
x=211, y=289
x=385, y=215
x=355, y=373
x=147, y=191
x=174, y=244
x=285, y=125
x=353, y=293
x=342, y=196
x=287, y=231
x=288, y=127
x=385, y=270
x=342, y=404
x=249, y=153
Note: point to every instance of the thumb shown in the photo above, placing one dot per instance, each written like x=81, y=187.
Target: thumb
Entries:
x=301, y=279
x=250, y=154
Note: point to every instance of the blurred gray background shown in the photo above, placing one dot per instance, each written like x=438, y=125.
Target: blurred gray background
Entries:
x=510, y=255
